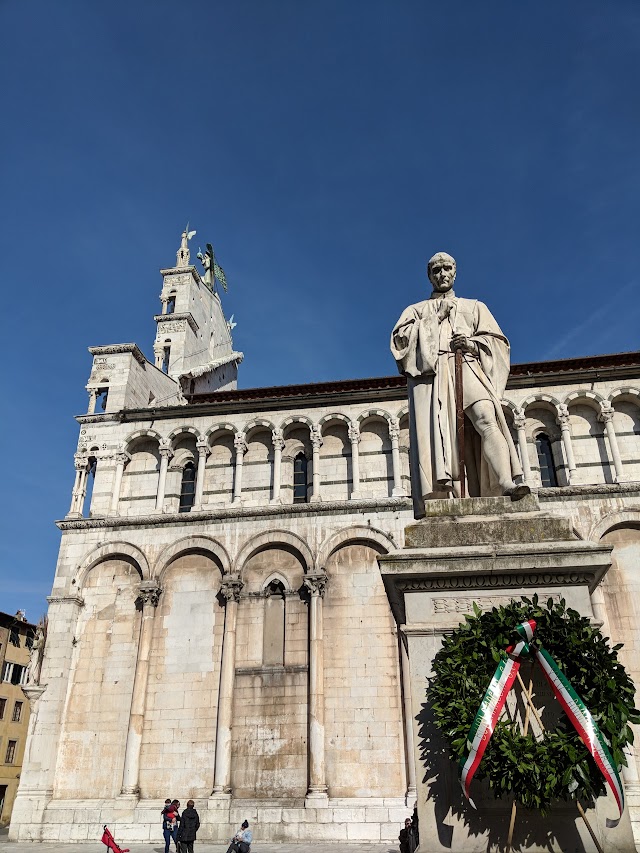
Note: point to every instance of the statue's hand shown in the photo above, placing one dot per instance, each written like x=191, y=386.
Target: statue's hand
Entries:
x=462, y=342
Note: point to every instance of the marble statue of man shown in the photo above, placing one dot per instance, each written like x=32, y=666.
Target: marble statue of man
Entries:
x=423, y=344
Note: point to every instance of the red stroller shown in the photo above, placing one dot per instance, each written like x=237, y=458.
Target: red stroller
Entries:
x=109, y=840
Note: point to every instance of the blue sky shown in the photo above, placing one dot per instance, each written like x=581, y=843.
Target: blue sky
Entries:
x=326, y=149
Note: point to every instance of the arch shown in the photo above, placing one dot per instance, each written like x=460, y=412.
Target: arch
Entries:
x=509, y=404
x=403, y=411
x=357, y=534
x=334, y=416
x=591, y=398
x=140, y=433
x=257, y=424
x=224, y=427
x=632, y=394
x=183, y=430
x=552, y=403
x=276, y=576
x=192, y=543
x=297, y=419
x=613, y=520
x=273, y=539
x=373, y=413
x=112, y=551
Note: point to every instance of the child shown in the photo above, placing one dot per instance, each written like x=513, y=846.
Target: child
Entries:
x=170, y=818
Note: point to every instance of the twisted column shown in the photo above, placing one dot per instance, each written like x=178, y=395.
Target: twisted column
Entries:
x=316, y=583
x=354, y=438
x=240, y=444
x=230, y=589
x=316, y=444
x=121, y=460
x=565, y=428
x=202, y=446
x=519, y=422
x=606, y=417
x=278, y=447
x=166, y=454
x=149, y=595
x=394, y=435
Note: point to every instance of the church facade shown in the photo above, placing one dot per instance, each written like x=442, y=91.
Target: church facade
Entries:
x=218, y=627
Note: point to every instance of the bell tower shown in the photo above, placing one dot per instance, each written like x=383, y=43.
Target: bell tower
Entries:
x=193, y=342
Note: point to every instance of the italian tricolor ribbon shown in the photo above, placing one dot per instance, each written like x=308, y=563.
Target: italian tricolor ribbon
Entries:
x=496, y=695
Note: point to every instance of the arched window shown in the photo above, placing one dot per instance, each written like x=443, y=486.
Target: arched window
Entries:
x=300, y=472
x=166, y=353
x=188, y=488
x=548, y=473
x=171, y=304
x=92, y=463
x=273, y=628
x=102, y=395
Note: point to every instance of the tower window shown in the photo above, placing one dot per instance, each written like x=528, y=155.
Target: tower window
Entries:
x=548, y=473
x=101, y=399
x=300, y=472
x=171, y=304
x=188, y=488
x=165, y=359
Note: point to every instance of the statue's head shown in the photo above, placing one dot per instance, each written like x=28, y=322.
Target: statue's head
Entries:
x=441, y=270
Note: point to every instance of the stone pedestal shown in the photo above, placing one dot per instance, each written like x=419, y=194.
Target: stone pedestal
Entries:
x=488, y=551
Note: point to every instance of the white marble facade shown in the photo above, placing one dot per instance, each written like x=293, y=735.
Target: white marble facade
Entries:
x=243, y=652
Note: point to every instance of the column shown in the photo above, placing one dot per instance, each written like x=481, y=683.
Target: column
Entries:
x=354, y=438
x=149, y=595
x=158, y=354
x=121, y=460
x=565, y=427
x=278, y=447
x=606, y=417
x=408, y=724
x=394, y=435
x=316, y=443
x=92, y=401
x=316, y=583
x=241, y=448
x=80, y=464
x=202, y=446
x=519, y=422
x=82, y=485
x=230, y=589
x=166, y=454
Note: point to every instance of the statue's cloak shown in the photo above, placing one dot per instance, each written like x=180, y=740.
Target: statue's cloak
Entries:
x=421, y=346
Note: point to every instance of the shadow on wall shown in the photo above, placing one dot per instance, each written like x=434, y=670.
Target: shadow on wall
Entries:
x=453, y=814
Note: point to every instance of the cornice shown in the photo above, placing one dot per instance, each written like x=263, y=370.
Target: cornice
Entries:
x=598, y=490
x=98, y=419
x=168, y=271
x=240, y=512
x=184, y=315
x=117, y=349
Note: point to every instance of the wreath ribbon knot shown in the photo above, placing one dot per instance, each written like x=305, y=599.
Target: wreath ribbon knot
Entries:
x=496, y=695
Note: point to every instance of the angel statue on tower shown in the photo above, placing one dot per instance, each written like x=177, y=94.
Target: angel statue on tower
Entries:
x=424, y=343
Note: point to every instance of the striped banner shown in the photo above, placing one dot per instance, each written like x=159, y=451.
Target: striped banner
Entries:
x=494, y=700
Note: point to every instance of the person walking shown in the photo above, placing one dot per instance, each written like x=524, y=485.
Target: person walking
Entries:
x=241, y=841
x=189, y=826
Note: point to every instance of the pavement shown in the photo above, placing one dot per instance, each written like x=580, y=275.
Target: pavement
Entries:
x=257, y=847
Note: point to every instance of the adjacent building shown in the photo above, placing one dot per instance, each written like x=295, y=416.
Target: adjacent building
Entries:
x=218, y=627
x=16, y=639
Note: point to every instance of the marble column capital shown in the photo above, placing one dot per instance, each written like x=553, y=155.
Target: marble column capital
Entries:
x=149, y=592
x=316, y=438
x=316, y=582
x=563, y=415
x=606, y=413
x=519, y=419
x=231, y=587
x=240, y=443
x=202, y=446
x=277, y=439
x=354, y=432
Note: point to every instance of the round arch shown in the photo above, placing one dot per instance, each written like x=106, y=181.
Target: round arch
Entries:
x=274, y=539
x=183, y=430
x=224, y=427
x=613, y=520
x=334, y=416
x=192, y=543
x=591, y=398
x=297, y=419
x=357, y=534
x=374, y=413
x=552, y=403
x=257, y=424
x=112, y=551
x=632, y=394
x=141, y=433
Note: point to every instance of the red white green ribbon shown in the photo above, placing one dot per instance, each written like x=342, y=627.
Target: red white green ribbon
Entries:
x=494, y=700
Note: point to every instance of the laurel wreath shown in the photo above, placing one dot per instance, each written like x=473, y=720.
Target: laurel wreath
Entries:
x=557, y=765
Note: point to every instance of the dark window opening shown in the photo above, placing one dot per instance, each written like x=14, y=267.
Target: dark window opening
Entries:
x=10, y=756
x=171, y=304
x=17, y=712
x=14, y=637
x=165, y=359
x=101, y=399
x=188, y=488
x=30, y=639
x=3, y=705
x=300, y=472
x=548, y=473
x=90, y=481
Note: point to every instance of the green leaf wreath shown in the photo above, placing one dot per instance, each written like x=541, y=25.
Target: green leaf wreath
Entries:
x=556, y=765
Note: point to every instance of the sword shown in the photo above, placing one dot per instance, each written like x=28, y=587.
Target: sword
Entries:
x=460, y=421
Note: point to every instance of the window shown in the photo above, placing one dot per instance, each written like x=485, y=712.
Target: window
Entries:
x=17, y=712
x=273, y=628
x=7, y=669
x=171, y=304
x=300, y=471
x=10, y=756
x=165, y=359
x=101, y=399
x=188, y=488
x=14, y=637
x=548, y=473
x=3, y=705
x=14, y=673
x=30, y=639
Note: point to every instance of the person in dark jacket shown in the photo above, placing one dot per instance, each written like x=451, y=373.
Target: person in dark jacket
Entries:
x=407, y=838
x=189, y=826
